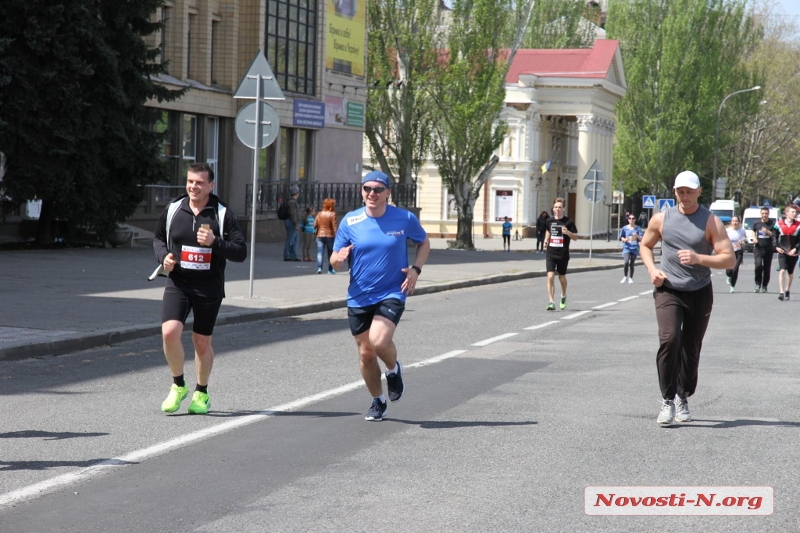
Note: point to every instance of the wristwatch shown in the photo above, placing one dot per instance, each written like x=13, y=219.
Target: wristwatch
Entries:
x=418, y=269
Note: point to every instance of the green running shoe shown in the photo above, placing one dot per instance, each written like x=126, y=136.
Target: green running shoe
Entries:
x=174, y=399
x=563, y=304
x=551, y=306
x=200, y=403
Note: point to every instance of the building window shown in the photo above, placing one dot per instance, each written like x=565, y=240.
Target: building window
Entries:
x=168, y=126
x=190, y=46
x=303, y=153
x=266, y=160
x=165, y=12
x=287, y=154
x=291, y=43
x=189, y=151
x=215, y=52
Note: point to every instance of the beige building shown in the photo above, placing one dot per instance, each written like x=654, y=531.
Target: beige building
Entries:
x=560, y=114
x=316, y=50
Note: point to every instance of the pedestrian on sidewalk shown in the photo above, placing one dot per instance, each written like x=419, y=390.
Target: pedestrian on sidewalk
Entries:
x=559, y=230
x=693, y=241
x=506, y=235
x=763, y=250
x=194, y=238
x=787, y=243
x=541, y=229
x=376, y=237
x=630, y=235
x=737, y=236
x=642, y=220
x=309, y=233
x=292, y=225
x=326, y=232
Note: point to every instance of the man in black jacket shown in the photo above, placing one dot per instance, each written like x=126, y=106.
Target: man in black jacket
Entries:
x=764, y=249
x=195, y=237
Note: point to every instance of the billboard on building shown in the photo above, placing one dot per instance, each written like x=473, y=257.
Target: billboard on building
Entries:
x=340, y=112
x=345, y=32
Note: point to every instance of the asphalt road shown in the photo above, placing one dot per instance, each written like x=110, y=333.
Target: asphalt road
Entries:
x=491, y=436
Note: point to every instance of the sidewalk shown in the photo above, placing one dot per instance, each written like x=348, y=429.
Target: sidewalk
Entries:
x=54, y=302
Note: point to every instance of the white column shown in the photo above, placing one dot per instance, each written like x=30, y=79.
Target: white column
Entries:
x=589, y=148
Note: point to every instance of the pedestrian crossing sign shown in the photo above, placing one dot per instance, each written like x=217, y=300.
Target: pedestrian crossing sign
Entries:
x=649, y=201
x=665, y=203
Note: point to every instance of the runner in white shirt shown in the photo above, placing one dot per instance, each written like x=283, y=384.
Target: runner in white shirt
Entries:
x=737, y=236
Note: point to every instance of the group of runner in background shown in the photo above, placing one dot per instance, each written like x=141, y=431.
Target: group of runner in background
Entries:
x=769, y=237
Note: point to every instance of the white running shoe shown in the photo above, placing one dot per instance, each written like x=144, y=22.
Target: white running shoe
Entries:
x=682, y=413
x=630, y=280
x=624, y=279
x=733, y=290
x=667, y=413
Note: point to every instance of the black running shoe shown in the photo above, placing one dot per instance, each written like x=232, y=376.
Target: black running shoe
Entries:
x=395, y=383
x=780, y=297
x=787, y=295
x=376, y=411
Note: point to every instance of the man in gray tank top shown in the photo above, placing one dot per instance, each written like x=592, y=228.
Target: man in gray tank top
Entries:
x=693, y=241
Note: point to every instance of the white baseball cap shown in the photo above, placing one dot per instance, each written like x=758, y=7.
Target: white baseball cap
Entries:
x=687, y=178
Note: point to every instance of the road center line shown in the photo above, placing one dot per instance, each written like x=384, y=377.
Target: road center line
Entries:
x=645, y=292
x=576, y=315
x=542, y=325
x=628, y=298
x=495, y=339
x=71, y=478
x=609, y=304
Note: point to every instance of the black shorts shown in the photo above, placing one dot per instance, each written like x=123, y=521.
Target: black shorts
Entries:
x=557, y=265
x=361, y=317
x=177, y=304
x=787, y=262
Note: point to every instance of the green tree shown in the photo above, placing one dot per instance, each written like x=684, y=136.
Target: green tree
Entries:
x=681, y=58
x=561, y=24
x=760, y=154
x=469, y=94
x=400, y=54
x=72, y=119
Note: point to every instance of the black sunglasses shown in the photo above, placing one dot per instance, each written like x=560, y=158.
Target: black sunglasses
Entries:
x=377, y=190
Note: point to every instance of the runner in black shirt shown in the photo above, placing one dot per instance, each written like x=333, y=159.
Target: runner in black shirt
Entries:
x=763, y=249
x=559, y=229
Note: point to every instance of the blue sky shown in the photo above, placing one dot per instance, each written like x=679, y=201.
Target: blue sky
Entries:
x=789, y=7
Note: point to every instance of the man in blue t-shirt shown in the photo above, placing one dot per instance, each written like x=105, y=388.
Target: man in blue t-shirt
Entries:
x=375, y=236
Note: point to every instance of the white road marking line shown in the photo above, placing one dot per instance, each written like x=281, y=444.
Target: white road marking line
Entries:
x=628, y=298
x=495, y=339
x=576, y=315
x=645, y=292
x=71, y=478
x=542, y=325
x=437, y=359
x=609, y=304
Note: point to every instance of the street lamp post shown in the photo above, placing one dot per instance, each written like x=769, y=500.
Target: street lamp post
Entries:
x=716, y=137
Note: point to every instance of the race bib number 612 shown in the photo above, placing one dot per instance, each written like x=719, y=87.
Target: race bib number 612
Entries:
x=194, y=258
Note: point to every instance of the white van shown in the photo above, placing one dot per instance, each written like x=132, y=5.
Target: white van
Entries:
x=751, y=216
x=725, y=209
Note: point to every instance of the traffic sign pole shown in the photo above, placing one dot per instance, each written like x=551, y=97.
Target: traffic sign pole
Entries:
x=258, y=72
x=591, y=222
x=257, y=139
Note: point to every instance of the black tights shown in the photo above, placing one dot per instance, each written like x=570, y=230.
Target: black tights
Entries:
x=733, y=273
x=629, y=259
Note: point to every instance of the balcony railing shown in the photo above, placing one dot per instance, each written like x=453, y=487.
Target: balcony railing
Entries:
x=347, y=195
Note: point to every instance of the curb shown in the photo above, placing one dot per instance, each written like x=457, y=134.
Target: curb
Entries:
x=98, y=339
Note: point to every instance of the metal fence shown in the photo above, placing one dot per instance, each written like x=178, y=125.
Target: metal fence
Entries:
x=347, y=195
